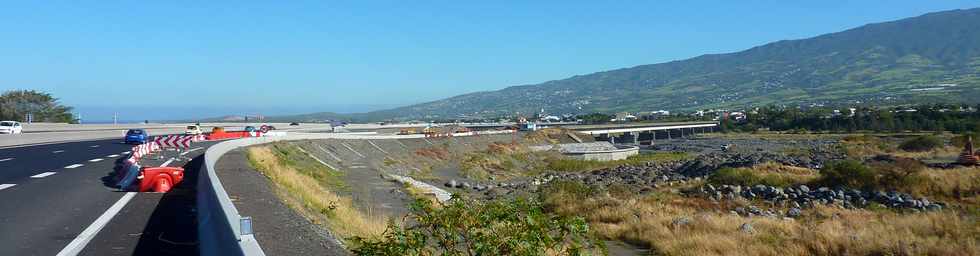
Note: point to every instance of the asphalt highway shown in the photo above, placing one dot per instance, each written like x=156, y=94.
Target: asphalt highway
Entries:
x=53, y=200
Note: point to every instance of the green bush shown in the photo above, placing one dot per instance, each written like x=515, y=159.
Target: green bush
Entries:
x=849, y=173
x=464, y=227
x=921, y=143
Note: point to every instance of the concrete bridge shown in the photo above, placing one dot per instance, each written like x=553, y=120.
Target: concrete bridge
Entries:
x=636, y=132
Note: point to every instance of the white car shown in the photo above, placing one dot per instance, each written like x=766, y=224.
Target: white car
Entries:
x=193, y=130
x=10, y=127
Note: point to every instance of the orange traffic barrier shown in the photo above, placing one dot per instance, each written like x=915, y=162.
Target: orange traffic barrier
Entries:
x=161, y=179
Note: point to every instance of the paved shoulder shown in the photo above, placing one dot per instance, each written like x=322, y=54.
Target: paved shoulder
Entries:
x=279, y=230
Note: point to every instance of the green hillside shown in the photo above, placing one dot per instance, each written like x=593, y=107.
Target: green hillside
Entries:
x=930, y=58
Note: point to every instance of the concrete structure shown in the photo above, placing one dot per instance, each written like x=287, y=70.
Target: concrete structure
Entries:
x=597, y=151
x=634, y=133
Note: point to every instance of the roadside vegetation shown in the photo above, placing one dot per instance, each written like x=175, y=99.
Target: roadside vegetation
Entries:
x=671, y=224
x=311, y=189
x=565, y=164
x=469, y=227
x=769, y=174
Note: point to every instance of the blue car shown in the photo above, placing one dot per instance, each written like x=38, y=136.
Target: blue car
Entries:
x=136, y=136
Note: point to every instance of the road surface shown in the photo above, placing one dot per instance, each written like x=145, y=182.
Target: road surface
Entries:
x=51, y=193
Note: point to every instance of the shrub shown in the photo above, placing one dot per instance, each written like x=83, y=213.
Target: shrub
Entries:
x=960, y=141
x=464, y=227
x=848, y=173
x=903, y=174
x=921, y=143
x=734, y=176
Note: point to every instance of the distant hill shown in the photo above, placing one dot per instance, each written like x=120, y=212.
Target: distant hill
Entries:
x=929, y=58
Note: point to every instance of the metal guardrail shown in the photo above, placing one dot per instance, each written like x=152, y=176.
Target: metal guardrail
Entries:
x=221, y=229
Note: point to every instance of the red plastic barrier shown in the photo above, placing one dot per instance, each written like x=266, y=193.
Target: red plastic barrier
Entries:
x=161, y=179
x=232, y=135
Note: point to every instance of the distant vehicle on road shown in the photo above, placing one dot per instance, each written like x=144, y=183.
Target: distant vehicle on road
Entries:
x=293, y=124
x=193, y=130
x=250, y=128
x=136, y=136
x=10, y=127
x=266, y=128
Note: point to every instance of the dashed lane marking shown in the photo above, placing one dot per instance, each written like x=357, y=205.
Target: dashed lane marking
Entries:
x=93, y=146
x=83, y=238
x=113, y=155
x=6, y=159
x=124, y=152
x=42, y=175
x=74, y=166
x=95, y=160
x=6, y=186
x=57, y=151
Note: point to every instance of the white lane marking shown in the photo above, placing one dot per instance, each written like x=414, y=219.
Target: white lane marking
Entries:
x=191, y=150
x=6, y=159
x=376, y=146
x=95, y=160
x=317, y=159
x=93, y=146
x=352, y=150
x=167, y=162
x=400, y=143
x=83, y=238
x=57, y=151
x=124, y=152
x=74, y=166
x=43, y=174
x=329, y=153
x=5, y=186
x=111, y=156
x=358, y=167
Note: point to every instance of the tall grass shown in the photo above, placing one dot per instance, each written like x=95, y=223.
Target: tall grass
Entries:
x=650, y=221
x=565, y=164
x=306, y=191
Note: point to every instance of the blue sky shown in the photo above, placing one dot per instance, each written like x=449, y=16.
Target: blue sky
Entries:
x=191, y=59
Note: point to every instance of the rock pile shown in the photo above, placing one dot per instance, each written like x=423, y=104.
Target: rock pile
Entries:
x=802, y=196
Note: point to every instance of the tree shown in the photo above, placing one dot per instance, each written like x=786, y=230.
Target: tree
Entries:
x=16, y=104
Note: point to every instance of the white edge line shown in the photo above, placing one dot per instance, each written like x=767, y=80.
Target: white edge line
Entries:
x=167, y=162
x=83, y=238
x=5, y=186
x=191, y=150
x=43, y=174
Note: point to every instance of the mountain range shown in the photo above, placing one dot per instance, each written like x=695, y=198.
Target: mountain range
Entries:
x=930, y=58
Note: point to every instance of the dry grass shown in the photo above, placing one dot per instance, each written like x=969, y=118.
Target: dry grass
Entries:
x=961, y=184
x=648, y=221
x=311, y=198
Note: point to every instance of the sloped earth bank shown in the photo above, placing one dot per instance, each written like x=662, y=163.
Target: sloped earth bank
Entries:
x=438, y=161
